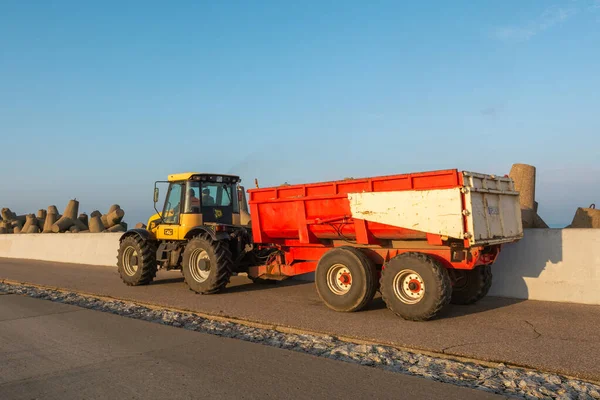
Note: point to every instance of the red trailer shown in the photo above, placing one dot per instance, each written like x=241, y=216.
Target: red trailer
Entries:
x=423, y=239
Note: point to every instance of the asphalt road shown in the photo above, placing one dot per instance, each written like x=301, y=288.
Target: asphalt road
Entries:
x=554, y=337
x=57, y=351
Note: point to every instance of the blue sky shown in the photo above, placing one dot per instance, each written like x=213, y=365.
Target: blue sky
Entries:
x=99, y=100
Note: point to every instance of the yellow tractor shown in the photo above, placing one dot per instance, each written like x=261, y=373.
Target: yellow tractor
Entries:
x=203, y=229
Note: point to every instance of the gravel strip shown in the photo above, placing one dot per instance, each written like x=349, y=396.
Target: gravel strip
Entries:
x=501, y=379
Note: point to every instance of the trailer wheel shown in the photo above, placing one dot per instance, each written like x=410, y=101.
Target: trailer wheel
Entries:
x=415, y=286
x=471, y=286
x=136, y=261
x=346, y=279
x=207, y=265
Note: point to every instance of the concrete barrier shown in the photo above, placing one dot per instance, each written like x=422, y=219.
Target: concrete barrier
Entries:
x=547, y=264
x=79, y=248
x=550, y=264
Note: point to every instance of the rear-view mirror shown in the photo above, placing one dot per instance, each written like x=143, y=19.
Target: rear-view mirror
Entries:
x=156, y=195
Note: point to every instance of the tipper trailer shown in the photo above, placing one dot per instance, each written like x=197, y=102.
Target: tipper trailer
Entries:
x=423, y=240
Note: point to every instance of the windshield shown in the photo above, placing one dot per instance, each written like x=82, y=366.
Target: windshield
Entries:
x=207, y=194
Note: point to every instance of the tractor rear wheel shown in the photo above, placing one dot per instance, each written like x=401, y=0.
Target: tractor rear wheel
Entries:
x=136, y=261
x=207, y=264
x=415, y=286
x=346, y=279
x=472, y=285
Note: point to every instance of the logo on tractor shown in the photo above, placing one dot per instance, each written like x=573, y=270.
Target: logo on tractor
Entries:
x=168, y=232
x=218, y=214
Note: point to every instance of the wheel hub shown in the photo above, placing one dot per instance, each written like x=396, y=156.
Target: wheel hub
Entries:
x=345, y=278
x=409, y=286
x=414, y=286
x=130, y=261
x=199, y=265
x=339, y=279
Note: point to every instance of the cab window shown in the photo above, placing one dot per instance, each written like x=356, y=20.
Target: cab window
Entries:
x=173, y=204
x=192, y=197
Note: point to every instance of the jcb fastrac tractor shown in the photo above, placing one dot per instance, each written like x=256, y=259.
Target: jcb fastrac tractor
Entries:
x=203, y=229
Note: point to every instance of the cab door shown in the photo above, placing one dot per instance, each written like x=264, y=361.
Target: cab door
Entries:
x=169, y=228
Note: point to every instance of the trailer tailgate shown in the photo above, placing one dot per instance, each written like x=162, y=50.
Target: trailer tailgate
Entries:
x=493, y=212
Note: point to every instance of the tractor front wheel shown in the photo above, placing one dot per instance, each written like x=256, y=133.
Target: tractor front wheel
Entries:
x=207, y=265
x=136, y=261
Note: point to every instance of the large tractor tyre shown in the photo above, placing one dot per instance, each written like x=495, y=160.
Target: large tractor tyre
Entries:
x=346, y=279
x=136, y=261
x=415, y=286
x=471, y=286
x=207, y=264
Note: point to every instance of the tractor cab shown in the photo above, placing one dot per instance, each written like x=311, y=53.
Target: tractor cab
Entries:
x=194, y=199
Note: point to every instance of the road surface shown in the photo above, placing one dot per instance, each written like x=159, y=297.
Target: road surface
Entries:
x=57, y=351
x=556, y=337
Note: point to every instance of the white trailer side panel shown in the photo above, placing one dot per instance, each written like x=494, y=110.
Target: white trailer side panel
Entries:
x=431, y=211
x=491, y=210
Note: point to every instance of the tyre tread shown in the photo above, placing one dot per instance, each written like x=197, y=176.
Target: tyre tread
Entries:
x=224, y=263
x=443, y=289
x=147, y=253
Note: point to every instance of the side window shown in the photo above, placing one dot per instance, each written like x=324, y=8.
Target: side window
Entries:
x=173, y=204
x=192, y=198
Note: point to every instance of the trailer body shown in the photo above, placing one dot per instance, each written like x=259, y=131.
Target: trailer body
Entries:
x=461, y=218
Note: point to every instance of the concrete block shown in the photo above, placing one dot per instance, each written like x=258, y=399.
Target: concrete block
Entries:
x=7, y=214
x=539, y=223
x=528, y=217
x=30, y=221
x=113, y=218
x=74, y=229
x=83, y=218
x=52, y=210
x=33, y=229
x=17, y=224
x=62, y=224
x=95, y=224
x=140, y=225
x=79, y=224
x=51, y=219
x=116, y=228
x=96, y=213
x=524, y=177
x=3, y=230
x=72, y=210
x=17, y=229
x=586, y=218
x=41, y=214
x=114, y=207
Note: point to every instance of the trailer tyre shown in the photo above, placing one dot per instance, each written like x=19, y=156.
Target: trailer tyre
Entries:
x=415, y=286
x=136, y=261
x=346, y=279
x=471, y=286
x=207, y=265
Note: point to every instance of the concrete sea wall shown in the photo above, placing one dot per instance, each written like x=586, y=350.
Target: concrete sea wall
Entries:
x=547, y=264
x=80, y=248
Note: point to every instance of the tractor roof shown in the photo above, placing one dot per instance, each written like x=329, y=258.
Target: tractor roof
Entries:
x=186, y=176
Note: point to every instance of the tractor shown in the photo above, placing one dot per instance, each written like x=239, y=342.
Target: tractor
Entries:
x=203, y=230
